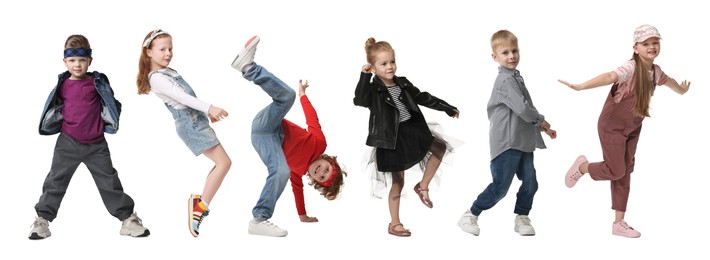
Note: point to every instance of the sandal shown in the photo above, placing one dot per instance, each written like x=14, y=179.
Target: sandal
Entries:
x=399, y=233
x=418, y=189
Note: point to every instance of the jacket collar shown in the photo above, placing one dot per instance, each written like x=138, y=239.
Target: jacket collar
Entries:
x=381, y=85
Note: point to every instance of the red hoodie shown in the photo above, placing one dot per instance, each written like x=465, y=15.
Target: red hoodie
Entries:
x=302, y=147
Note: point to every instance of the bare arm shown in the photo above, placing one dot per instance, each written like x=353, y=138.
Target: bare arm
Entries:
x=678, y=88
x=598, y=81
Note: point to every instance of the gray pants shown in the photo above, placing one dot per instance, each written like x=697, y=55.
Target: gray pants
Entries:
x=68, y=154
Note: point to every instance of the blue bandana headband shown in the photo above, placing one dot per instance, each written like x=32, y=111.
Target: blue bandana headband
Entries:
x=77, y=52
x=153, y=34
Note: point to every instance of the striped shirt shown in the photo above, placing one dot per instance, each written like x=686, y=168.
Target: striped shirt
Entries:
x=396, y=92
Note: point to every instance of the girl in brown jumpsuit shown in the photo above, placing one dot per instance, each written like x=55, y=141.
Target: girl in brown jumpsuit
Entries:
x=621, y=118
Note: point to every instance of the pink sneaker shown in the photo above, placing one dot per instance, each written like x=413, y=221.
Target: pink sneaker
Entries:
x=623, y=229
x=573, y=174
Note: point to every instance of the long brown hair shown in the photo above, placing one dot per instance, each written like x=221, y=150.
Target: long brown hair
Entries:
x=372, y=48
x=643, y=88
x=144, y=65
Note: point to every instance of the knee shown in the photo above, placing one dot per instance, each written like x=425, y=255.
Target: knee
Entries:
x=227, y=163
x=289, y=95
x=618, y=172
x=283, y=174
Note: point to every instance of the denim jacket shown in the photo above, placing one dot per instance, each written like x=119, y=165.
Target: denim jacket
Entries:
x=51, y=121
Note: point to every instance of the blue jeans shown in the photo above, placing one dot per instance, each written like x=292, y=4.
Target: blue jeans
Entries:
x=267, y=138
x=506, y=165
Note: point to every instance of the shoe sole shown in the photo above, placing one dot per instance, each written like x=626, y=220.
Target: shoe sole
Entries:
x=247, y=47
x=144, y=234
x=35, y=236
x=267, y=235
x=189, y=216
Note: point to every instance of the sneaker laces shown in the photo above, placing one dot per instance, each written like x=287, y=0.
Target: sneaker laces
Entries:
x=269, y=224
x=40, y=222
x=625, y=225
x=525, y=220
x=134, y=218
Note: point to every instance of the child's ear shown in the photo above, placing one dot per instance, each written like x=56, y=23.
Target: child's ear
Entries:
x=495, y=58
x=90, y=60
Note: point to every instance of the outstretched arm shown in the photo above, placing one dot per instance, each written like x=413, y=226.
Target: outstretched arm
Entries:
x=678, y=88
x=598, y=81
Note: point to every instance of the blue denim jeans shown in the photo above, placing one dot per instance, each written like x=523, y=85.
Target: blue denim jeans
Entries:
x=503, y=168
x=267, y=138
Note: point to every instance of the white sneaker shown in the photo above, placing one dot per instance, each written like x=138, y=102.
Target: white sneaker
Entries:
x=133, y=226
x=266, y=228
x=246, y=56
x=40, y=229
x=469, y=223
x=523, y=226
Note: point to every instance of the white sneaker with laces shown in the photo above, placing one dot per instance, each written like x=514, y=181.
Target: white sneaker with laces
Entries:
x=523, y=226
x=133, y=226
x=266, y=228
x=246, y=56
x=469, y=223
x=40, y=229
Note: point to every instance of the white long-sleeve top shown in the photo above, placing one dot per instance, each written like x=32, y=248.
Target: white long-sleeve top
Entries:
x=167, y=88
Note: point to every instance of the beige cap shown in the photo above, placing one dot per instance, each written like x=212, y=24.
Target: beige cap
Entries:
x=644, y=32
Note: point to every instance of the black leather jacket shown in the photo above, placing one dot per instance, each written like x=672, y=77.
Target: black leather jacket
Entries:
x=384, y=116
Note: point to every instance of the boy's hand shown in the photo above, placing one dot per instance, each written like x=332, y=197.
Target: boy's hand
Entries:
x=302, y=87
x=367, y=68
x=551, y=133
x=305, y=218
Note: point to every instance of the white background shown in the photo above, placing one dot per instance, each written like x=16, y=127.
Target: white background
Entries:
x=442, y=47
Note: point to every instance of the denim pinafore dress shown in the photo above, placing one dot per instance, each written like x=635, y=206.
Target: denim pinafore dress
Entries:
x=192, y=125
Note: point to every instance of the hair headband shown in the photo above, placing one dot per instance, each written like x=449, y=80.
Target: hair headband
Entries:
x=153, y=34
x=77, y=52
x=335, y=171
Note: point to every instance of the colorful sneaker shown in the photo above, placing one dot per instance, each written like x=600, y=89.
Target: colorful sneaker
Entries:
x=133, y=226
x=573, y=174
x=197, y=211
x=246, y=56
x=266, y=228
x=623, y=229
x=523, y=226
x=40, y=229
x=469, y=223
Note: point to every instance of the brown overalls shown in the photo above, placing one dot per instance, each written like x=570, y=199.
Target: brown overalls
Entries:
x=619, y=131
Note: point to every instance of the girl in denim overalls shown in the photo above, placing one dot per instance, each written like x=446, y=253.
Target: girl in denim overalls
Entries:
x=190, y=114
x=621, y=118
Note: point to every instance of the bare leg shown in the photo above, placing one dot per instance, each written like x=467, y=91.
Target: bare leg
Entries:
x=438, y=148
x=619, y=216
x=584, y=168
x=394, y=198
x=214, y=179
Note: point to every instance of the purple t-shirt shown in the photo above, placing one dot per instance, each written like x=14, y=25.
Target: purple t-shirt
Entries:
x=82, y=110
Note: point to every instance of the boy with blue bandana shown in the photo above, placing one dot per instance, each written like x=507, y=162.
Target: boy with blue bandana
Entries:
x=81, y=107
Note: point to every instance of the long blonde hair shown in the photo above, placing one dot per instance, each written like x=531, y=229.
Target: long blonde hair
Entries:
x=144, y=65
x=643, y=88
